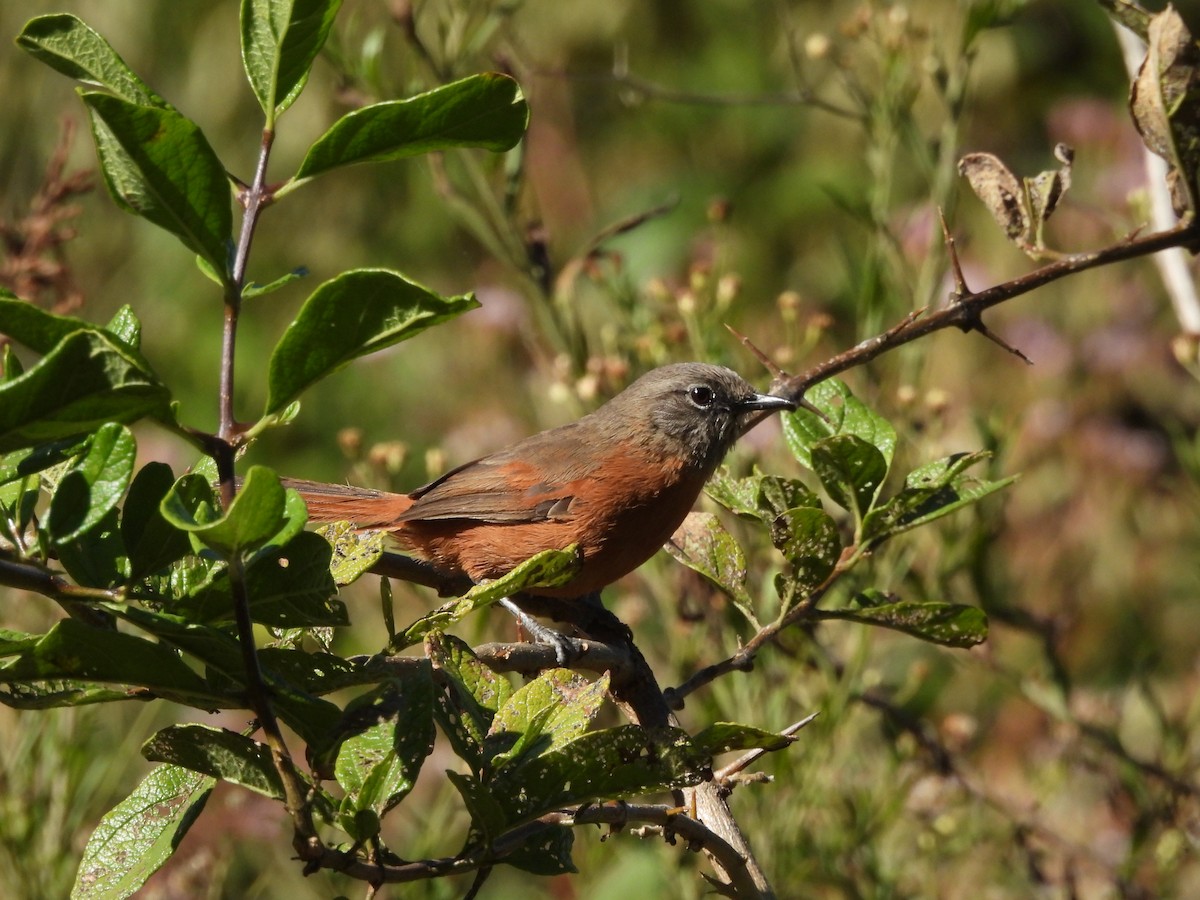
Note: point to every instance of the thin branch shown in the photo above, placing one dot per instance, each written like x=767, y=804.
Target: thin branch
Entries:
x=967, y=310
x=643, y=89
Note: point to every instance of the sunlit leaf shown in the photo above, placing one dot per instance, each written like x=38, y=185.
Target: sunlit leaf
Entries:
x=948, y=624
x=94, y=485
x=356, y=313
x=158, y=165
x=86, y=380
x=140, y=833
x=550, y=568
x=280, y=40
x=487, y=111
x=703, y=545
x=219, y=753
x=71, y=47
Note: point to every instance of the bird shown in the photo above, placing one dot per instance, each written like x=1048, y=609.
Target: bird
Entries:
x=616, y=484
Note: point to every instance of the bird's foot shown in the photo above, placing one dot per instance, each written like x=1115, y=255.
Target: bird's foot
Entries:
x=566, y=650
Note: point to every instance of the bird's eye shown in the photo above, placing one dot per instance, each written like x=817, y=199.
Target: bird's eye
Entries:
x=701, y=396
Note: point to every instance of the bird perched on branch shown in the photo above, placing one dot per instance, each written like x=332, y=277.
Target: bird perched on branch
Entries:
x=616, y=483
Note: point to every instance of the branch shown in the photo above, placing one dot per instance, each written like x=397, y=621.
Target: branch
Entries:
x=965, y=312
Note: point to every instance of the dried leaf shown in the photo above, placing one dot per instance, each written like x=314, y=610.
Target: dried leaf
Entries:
x=1163, y=101
x=1000, y=192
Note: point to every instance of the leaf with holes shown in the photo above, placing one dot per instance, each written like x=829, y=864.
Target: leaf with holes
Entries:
x=140, y=833
x=703, y=545
x=948, y=624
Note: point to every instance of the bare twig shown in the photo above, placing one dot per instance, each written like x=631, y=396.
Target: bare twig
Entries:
x=966, y=311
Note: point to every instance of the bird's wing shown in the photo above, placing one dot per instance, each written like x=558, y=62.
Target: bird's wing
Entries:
x=535, y=480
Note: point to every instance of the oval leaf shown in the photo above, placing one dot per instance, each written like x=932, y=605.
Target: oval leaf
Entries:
x=217, y=752
x=550, y=568
x=92, y=487
x=354, y=314
x=280, y=40
x=140, y=833
x=158, y=165
x=258, y=513
x=948, y=624
x=87, y=380
x=703, y=545
x=391, y=734
x=487, y=111
x=71, y=47
x=851, y=471
x=844, y=414
x=809, y=541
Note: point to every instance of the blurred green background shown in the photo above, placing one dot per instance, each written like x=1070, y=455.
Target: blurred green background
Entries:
x=803, y=149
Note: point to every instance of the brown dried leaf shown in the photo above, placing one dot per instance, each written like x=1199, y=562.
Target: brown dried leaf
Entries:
x=1000, y=192
x=1165, y=103
x=1046, y=189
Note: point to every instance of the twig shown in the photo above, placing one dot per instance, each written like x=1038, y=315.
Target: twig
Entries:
x=725, y=774
x=965, y=313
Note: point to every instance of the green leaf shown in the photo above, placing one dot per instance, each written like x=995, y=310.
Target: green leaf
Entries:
x=14, y=642
x=311, y=718
x=58, y=694
x=85, y=381
x=356, y=313
x=96, y=557
x=280, y=40
x=288, y=587
x=543, y=715
x=931, y=491
x=487, y=111
x=73, y=650
x=809, y=541
x=546, y=852
x=487, y=815
x=614, y=762
x=158, y=165
x=219, y=753
x=43, y=331
x=32, y=460
x=775, y=496
x=69, y=46
x=91, y=488
x=844, y=414
x=466, y=710
x=851, y=471
x=140, y=833
x=391, y=732
x=253, y=289
x=721, y=737
x=151, y=542
x=550, y=568
x=948, y=624
x=259, y=514
x=703, y=545
x=126, y=327
x=354, y=552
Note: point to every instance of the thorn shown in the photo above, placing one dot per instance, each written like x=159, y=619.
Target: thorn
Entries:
x=974, y=322
x=960, y=282
x=777, y=374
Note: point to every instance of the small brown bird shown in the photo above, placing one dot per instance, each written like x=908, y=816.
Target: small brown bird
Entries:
x=617, y=483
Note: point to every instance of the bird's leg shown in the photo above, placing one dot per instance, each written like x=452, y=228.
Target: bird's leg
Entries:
x=565, y=649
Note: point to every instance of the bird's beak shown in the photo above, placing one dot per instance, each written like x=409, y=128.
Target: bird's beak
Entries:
x=765, y=401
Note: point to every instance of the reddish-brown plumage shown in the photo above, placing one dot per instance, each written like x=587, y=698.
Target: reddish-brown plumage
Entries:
x=617, y=483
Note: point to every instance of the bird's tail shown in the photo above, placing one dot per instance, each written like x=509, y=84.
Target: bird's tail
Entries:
x=366, y=509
